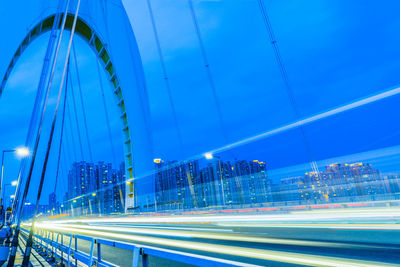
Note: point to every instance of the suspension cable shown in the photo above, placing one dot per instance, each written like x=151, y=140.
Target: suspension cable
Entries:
x=65, y=163
x=286, y=82
x=106, y=113
x=71, y=131
x=208, y=70
x=61, y=137
x=29, y=242
x=82, y=103
x=39, y=102
x=166, y=80
x=47, y=92
x=76, y=118
x=67, y=144
x=44, y=110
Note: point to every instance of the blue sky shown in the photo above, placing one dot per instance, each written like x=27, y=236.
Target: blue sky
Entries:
x=334, y=52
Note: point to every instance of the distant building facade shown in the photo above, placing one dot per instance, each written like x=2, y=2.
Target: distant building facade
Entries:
x=184, y=185
x=337, y=181
x=174, y=184
x=95, y=189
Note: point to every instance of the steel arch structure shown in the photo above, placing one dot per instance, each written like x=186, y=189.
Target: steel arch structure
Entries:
x=105, y=27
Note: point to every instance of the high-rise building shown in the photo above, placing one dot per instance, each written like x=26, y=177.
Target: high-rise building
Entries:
x=208, y=187
x=118, y=178
x=95, y=189
x=104, y=173
x=81, y=182
x=185, y=185
x=254, y=185
x=174, y=186
x=336, y=181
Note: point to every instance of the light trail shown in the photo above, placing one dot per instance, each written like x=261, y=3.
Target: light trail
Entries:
x=213, y=236
x=171, y=228
x=323, y=115
x=269, y=255
x=328, y=216
x=366, y=226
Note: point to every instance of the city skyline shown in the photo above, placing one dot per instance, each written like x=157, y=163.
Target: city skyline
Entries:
x=215, y=183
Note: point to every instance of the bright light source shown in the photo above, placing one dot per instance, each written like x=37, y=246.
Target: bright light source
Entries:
x=22, y=151
x=93, y=194
x=14, y=183
x=208, y=155
x=12, y=196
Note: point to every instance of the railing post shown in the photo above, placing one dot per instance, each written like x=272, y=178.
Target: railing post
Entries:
x=145, y=258
x=76, y=250
x=33, y=240
x=62, y=251
x=136, y=255
x=50, y=255
x=47, y=242
x=43, y=243
x=56, y=247
x=69, y=248
x=98, y=252
x=91, y=254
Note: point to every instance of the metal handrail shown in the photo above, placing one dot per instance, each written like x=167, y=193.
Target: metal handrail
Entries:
x=73, y=255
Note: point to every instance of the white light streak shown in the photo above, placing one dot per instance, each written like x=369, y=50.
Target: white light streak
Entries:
x=323, y=115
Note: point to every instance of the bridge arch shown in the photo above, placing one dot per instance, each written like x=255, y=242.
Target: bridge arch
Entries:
x=132, y=100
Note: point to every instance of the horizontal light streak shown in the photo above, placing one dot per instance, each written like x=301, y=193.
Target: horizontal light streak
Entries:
x=269, y=255
x=168, y=227
x=316, y=225
x=217, y=236
x=298, y=216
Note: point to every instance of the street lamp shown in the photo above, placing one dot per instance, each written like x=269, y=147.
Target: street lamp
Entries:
x=208, y=155
x=22, y=152
x=13, y=183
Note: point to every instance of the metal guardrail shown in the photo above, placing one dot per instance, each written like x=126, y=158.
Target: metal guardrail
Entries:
x=50, y=245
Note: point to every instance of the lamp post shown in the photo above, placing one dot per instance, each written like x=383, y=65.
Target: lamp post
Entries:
x=22, y=152
x=13, y=183
x=210, y=156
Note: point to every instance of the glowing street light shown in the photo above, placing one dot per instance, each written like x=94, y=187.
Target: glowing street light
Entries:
x=208, y=155
x=22, y=151
x=14, y=183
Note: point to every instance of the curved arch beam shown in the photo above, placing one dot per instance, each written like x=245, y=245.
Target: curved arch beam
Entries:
x=132, y=101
